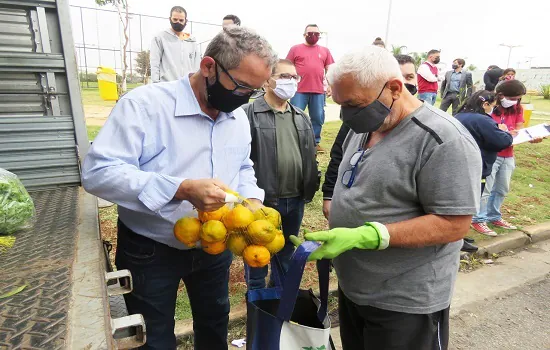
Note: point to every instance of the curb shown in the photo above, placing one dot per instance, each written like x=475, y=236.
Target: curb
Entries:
x=512, y=240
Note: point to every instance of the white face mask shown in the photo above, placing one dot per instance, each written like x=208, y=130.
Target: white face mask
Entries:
x=507, y=103
x=286, y=88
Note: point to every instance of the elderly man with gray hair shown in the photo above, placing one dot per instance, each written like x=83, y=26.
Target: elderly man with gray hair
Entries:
x=407, y=188
x=165, y=149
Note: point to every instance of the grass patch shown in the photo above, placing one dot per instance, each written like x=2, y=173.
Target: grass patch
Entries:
x=93, y=130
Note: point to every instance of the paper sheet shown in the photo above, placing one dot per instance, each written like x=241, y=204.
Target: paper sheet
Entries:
x=533, y=132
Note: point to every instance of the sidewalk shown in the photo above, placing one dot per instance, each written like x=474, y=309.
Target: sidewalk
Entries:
x=332, y=112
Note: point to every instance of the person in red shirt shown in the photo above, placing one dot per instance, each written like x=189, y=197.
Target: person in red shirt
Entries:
x=508, y=111
x=311, y=61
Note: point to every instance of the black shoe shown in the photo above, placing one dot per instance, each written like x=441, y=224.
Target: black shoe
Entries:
x=468, y=247
x=469, y=240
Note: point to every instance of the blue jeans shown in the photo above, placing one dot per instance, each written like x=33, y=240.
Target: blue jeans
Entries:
x=316, y=110
x=428, y=97
x=497, y=187
x=157, y=270
x=292, y=212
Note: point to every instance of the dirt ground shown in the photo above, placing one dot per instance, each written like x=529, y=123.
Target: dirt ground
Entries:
x=96, y=115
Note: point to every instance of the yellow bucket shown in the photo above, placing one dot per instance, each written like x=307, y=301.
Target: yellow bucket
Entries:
x=106, y=80
x=527, y=111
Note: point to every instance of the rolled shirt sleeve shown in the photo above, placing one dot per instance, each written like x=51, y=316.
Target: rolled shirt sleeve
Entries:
x=112, y=171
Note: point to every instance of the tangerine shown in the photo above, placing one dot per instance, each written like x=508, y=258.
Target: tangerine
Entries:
x=187, y=230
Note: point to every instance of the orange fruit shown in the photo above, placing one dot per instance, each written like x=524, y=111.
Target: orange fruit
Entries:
x=261, y=232
x=276, y=244
x=236, y=243
x=256, y=256
x=187, y=230
x=213, y=248
x=205, y=216
x=269, y=214
x=238, y=218
x=213, y=231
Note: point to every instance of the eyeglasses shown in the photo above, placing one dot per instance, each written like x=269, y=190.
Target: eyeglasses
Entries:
x=349, y=175
x=288, y=76
x=239, y=89
x=313, y=34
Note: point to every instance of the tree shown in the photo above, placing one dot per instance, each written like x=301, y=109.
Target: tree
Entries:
x=143, y=65
x=398, y=50
x=472, y=68
x=124, y=16
x=419, y=58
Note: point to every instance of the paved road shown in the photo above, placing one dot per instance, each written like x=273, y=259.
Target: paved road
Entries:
x=520, y=320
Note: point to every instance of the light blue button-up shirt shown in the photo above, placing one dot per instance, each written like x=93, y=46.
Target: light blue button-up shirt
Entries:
x=156, y=137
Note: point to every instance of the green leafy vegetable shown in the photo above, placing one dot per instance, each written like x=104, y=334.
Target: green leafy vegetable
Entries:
x=16, y=206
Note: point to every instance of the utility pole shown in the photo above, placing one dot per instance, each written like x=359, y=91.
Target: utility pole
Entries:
x=388, y=25
x=530, y=60
x=510, y=47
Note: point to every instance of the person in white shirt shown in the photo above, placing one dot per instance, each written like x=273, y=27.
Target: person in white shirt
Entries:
x=428, y=78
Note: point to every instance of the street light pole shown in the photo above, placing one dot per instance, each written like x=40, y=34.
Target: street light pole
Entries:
x=510, y=47
x=388, y=24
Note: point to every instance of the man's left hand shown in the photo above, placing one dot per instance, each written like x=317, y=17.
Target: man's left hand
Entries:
x=329, y=91
x=339, y=240
x=254, y=204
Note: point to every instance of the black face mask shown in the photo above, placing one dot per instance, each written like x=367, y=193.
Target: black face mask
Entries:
x=412, y=88
x=454, y=66
x=178, y=27
x=366, y=119
x=223, y=99
x=437, y=60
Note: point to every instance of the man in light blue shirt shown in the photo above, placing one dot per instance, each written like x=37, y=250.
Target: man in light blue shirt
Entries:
x=165, y=149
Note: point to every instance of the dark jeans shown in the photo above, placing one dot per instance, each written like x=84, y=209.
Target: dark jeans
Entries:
x=370, y=328
x=157, y=270
x=292, y=212
x=452, y=98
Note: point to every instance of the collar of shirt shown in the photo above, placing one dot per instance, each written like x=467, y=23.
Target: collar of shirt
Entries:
x=187, y=104
x=261, y=106
x=431, y=64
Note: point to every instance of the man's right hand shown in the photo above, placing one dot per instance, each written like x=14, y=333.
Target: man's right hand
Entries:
x=503, y=127
x=326, y=207
x=204, y=194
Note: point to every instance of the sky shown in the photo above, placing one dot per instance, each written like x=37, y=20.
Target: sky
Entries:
x=469, y=29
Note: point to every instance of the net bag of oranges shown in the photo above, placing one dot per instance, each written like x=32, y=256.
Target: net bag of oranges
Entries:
x=253, y=234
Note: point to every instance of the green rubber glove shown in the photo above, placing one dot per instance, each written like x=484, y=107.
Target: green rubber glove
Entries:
x=372, y=235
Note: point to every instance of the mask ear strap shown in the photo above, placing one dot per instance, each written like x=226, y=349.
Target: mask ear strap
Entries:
x=380, y=94
x=381, y=91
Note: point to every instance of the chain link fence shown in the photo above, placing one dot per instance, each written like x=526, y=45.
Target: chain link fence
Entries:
x=99, y=39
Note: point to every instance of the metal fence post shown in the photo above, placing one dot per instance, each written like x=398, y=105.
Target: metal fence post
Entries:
x=140, y=34
x=84, y=44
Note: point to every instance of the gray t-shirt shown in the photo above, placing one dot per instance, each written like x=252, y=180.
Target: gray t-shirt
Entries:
x=428, y=164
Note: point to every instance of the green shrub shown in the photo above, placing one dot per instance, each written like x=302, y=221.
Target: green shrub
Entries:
x=545, y=91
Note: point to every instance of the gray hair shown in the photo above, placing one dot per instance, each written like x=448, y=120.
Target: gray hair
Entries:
x=370, y=67
x=234, y=43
